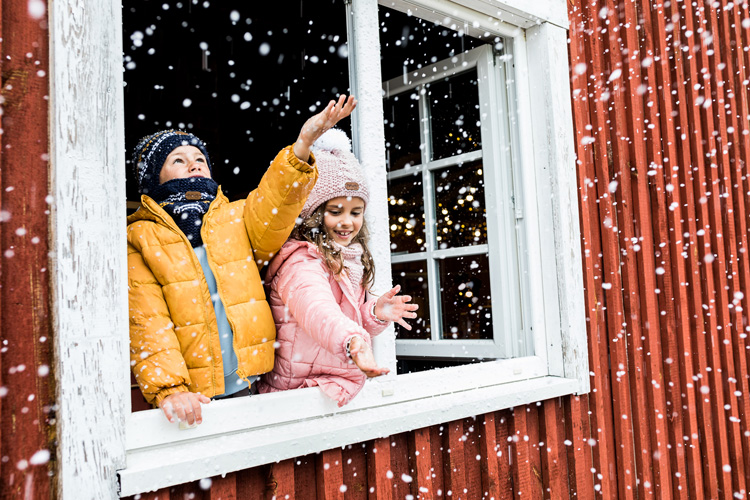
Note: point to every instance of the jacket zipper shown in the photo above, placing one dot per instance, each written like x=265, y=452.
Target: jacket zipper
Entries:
x=194, y=257
x=240, y=372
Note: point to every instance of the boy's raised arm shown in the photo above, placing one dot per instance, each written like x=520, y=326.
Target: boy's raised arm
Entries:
x=317, y=125
x=272, y=209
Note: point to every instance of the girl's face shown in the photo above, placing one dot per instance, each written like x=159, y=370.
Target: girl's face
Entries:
x=343, y=218
x=184, y=162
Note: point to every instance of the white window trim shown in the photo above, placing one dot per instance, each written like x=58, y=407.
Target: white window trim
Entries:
x=89, y=270
x=88, y=248
x=157, y=466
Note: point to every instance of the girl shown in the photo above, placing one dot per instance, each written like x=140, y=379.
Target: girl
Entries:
x=320, y=282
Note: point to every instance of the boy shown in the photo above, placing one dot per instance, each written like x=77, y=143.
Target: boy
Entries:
x=200, y=326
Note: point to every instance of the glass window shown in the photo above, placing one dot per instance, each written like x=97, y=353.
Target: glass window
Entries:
x=402, y=132
x=465, y=299
x=454, y=120
x=452, y=221
x=406, y=214
x=413, y=279
x=460, y=208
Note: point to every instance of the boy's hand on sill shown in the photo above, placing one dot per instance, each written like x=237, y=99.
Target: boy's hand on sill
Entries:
x=362, y=356
x=320, y=123
x=184, y=407
x=392, y=307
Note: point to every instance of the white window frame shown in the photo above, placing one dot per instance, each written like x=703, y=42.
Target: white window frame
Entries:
x=512, y=311
x=101, y=441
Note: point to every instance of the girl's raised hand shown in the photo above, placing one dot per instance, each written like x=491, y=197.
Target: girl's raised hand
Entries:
x=362, y=356
x=393, y=307
x=315, y=126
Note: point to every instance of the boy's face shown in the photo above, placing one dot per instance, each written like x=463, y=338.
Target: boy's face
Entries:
x=184, y=162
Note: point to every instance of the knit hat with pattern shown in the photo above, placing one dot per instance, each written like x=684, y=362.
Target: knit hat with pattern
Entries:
x=151, y=152
x=339, y=171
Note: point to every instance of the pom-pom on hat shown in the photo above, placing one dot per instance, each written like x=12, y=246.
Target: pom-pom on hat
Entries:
x=151, y=152
x=339, y=171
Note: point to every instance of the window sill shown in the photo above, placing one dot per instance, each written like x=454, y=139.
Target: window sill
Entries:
x=204, y=452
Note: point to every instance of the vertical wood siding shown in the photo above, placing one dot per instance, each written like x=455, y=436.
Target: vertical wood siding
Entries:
x=662, y=117
x=26, y=390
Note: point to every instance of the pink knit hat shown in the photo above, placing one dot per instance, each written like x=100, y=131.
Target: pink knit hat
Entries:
x=339, y=171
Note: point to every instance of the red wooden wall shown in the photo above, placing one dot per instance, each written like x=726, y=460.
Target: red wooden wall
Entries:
x=661, y=105
x=26, y=379
x=661, y=109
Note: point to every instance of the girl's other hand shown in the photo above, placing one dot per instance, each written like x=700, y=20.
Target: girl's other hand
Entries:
x=392, y=307
x=362, y=356
x=318, y=124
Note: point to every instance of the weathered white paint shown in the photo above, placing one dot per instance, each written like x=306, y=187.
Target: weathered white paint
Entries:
x=533, y=283
x=524, y=13
x=557, y=191
x=537, y=213
x=367, y=124
x=500, y=169
x=151, y=469
x=459, y=17
x=476, y=16
x=89, y=301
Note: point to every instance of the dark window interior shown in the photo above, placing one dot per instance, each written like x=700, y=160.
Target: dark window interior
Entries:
x=408, y=43
x=242, y=78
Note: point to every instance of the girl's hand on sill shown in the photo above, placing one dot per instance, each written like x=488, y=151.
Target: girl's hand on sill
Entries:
x=392, y=307
x=362, y=356
x=184, y=407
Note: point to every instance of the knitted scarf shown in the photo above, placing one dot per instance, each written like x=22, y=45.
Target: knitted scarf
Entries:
x=187, y=201
x=352, y=256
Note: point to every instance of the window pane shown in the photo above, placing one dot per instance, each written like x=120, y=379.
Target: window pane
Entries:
x=454, y=105
x=459, y=206
x=406, y=214
x=402, y=131
x=412, y=276
x=465, y=297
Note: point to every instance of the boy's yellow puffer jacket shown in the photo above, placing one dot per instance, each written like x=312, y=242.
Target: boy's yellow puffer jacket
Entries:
x=174, y=340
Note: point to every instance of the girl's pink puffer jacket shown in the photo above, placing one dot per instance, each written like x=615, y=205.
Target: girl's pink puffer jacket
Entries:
x=315, y=315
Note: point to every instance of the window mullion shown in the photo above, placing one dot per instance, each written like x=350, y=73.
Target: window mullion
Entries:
x=425, y=121
x=461, y=251
x=351, y=40
x=436, y=320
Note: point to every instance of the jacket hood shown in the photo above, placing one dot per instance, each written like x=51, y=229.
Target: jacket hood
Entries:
x=290, y=248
